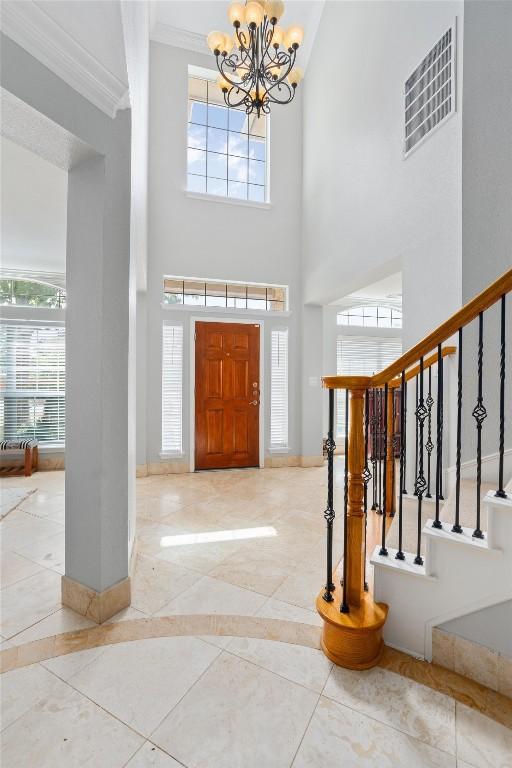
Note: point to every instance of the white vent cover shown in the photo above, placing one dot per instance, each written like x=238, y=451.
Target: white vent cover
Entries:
x=430, y=92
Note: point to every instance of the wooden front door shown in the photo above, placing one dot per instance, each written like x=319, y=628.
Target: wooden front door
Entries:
x=227, y=395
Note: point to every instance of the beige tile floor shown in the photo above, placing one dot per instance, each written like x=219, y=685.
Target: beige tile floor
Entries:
x=210, y=702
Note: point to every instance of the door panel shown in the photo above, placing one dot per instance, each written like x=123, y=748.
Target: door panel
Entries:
x=227, y=406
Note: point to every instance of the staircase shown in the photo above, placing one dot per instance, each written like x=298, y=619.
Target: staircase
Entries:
x=460, y=574
x=448, y=559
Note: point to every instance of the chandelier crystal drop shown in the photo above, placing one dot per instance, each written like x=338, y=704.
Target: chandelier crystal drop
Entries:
x=257, y=63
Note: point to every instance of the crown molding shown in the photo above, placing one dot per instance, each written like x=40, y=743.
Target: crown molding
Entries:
x=179, y=38
x=35, y=31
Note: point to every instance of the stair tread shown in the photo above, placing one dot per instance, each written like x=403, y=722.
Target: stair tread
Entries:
x=407, y=566
x=466, y=537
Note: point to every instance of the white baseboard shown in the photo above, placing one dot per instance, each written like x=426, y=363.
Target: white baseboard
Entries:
x=490, y=465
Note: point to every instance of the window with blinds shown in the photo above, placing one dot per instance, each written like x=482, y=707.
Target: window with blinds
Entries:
x=361, y=356
x=172, y=389
x=33, y=383
x=279, y=389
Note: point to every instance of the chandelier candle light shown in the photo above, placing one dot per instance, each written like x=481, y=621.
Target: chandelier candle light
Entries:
x=262, y=71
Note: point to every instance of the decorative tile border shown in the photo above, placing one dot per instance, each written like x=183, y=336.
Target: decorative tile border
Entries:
x=490, y=703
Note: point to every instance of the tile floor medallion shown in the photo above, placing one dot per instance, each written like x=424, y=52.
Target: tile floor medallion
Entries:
x=230, y=563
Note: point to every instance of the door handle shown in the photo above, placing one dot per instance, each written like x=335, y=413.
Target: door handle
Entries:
x=254, y=402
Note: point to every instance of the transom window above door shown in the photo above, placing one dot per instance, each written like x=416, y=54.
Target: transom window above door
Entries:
x=218, y=293
x=226, y=148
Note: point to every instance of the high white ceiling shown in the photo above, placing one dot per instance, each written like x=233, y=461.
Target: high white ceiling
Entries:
x=96, y=26
x=387, y=289
x=200, y=17
x=81, y=41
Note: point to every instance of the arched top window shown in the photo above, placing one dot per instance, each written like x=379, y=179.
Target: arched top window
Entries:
x=31, y=293
x=371, y=316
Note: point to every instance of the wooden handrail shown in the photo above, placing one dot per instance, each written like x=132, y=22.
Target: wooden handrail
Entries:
x=441, y=334
x=365, y=382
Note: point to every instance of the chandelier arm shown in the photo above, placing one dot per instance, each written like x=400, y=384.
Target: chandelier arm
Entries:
x=267, y=37
x=289, y=95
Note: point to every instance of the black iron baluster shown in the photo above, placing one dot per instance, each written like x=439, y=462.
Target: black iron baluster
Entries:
x=329, y=512
x=416, y=454
x=367, y=475
x=373, y=422
x=429, y=445
x=420, y=484
x=403, y=437
x=456, y=528
x=439, y=439
x=383, y=550
x=379, y=451
x=501, y=492
x=344, y=608
x=400, y=554
x=479, y=414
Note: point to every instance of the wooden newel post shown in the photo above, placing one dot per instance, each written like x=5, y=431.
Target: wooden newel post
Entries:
x=352, y=620
x=355, y=509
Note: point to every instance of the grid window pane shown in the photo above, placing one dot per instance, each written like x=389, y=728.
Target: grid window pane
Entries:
x=217, y=165
x=197, y=88
x=217, y=140
x=217, y=187
x=238, y=144
x=224, y=145
x=256, y=148
x=196, y=161
x=256, y=172
x=256, y=193
x=197, y=112
x=217, y=116
x=196, y=136
x=237, y=169
x=238, y=121
x=237, y=190
x=371, y=317
x=196, y=183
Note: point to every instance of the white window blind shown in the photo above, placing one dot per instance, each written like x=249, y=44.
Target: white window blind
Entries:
x=361, y=356
x=33, y=383
x=172, y=388
x=279, y=389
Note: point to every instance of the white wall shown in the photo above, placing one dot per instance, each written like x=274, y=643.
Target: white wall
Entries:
x=367, y=211
x=201, y=238
x=34, y=201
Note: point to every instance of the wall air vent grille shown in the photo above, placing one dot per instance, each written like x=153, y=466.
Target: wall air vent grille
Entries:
x=430, y=92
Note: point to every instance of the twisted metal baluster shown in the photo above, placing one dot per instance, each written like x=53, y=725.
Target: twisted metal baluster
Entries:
x=439, y=455
x=383, y=550
x=344, y=607
x=456, y=527
x=404, y=433
x=367, y=475
x=480, y=414
x=420, y=484
x=416, y=454
x=400, y=555
x=329, y=513
x=373, y=422
x=429, y=445
x=501, y=492
x=379, y=450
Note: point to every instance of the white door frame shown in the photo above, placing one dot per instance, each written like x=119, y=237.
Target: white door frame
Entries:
x=192, y=392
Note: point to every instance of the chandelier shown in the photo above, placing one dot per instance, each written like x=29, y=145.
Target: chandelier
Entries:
x=261, y=70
